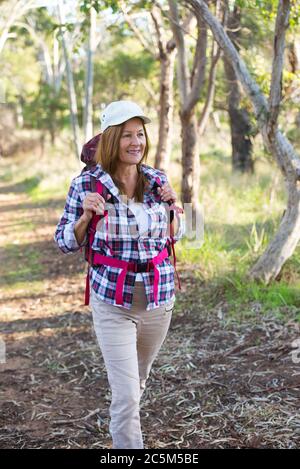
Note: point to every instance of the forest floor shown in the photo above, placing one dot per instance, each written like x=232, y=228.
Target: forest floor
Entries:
x=218, y=382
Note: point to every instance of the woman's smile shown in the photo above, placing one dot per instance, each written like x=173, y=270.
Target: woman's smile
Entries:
x=134, y=152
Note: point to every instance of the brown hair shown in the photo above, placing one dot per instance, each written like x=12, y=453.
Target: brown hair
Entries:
x=107, y=155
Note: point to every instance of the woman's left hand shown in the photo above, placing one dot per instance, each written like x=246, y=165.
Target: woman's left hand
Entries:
x=167, y=193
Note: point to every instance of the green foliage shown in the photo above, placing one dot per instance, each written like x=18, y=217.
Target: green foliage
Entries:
x=266, y=8
x=22, y=264
x=240, y=291
x=28, y=185
x=120, y=75
x=20, y=73
x=42, y=21
x=242, y=214
x=98, y=5
x=295, y=14
x=45, y=108
x=257, y=240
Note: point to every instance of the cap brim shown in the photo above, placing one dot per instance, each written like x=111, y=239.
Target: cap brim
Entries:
x=121, y=121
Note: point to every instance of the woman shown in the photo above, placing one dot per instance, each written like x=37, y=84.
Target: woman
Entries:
x=131, y=317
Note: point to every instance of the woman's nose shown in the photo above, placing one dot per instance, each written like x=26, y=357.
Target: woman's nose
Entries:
x=135, y=140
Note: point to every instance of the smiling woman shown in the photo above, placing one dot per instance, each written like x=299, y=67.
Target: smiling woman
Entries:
x=121, y=151
x=131, y=276
x=131, y=150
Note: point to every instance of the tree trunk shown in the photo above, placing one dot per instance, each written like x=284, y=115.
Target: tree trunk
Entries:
x=88, y=108
x=166, y=105
x=10, y=12
x=239, y=119
x=284, y=242
x=190, y=167
x=71, y=87
x=190, y=84
x=239, y=125
x=203, y=120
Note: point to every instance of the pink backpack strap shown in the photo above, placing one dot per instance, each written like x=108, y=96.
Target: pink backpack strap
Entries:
x=96, y=186
x=172, y=242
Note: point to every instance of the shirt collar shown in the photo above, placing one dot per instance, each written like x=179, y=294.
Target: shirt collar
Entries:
x=97, y=172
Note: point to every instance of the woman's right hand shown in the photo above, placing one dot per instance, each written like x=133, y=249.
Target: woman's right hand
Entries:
x=93, y=202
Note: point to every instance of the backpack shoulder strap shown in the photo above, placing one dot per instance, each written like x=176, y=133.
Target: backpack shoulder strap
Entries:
x=96, y=186
x=157, y=184
x=93, y=184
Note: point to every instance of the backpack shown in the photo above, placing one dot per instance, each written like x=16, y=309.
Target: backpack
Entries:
x=88, y=157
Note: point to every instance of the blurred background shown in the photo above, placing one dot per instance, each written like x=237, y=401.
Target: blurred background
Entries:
x=62, y=62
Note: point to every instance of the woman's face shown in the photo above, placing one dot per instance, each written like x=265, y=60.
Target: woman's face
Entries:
x=132, y=142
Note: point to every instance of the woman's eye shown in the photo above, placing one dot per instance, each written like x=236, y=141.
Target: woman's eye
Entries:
x=140, y=135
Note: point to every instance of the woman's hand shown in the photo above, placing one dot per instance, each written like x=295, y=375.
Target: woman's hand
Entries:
x=167, y=193
x=93, y=202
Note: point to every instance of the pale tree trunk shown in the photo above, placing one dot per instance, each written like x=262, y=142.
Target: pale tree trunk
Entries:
x=166, y=56
x=51, y=71
x=190, y=85
x=19, y=112
x=10, y=12
x=294, y=63
x=287, y=237
x=208, y=105
x=88, y=108
x=239, y=117
x=191, y=163
x=70, y=82
x=166, y=107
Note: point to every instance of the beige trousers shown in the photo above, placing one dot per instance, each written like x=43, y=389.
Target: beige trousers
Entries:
x=129, y=341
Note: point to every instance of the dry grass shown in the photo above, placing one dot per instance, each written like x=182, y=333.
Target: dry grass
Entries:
x=214, y=384
x=218, y=382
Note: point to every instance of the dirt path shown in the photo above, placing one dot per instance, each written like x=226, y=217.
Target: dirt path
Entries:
x=216, y=383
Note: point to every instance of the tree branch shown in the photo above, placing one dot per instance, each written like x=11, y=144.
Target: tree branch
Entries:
x=282, y=22
x=182, y=66
x=199, y=66
x=145, y=44
x=161, y=43
x=288, y=160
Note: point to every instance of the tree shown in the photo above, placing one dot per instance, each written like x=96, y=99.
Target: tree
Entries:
x=164, y=53
x=240, y=125
x=190, y=84
x=10, y=12
x=90, y=51
x=40, y=26
x=70, y=80
x=287, y=236
x=210, y=94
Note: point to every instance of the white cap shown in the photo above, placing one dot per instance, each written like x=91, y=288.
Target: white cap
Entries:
x=118, y=112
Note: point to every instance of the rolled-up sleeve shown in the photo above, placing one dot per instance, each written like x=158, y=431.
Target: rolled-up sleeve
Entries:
x=64, y=235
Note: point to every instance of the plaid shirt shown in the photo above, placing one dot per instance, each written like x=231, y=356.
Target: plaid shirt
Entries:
x=124, y=240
